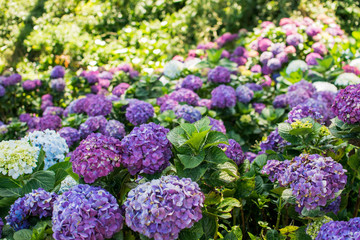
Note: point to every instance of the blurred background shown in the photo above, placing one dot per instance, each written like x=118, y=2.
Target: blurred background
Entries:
x=36, y=35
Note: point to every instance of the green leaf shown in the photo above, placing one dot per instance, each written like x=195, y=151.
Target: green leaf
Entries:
x=188, y=128
x=192, y=233
x=176, y=136
x=214, y=55
x=312, y=213
x=354, y=161
x=300, y=131
x=228, y=204
x=197, y=139
x=60, y=171
x=215, y=138
x=195, y=173
x=284, y=131
x=210, y=225
x=40, y=179
x=39, y=229
x=11, y=192
x=212, y=198
x=40, y=161
x=24, y=234
x=191, y=161
x=8, y=182
x=326, y=63
x=203, y=124
x=244, y=187
x=235, y=234
x=300, y=234
x=272, y=235
x=216, y=155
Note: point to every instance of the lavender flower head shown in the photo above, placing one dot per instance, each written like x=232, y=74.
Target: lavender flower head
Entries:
x=96, y=105
x=264, y=44
x=273, y=142
x=38, y=203
x=347, y=104
x=91, y=125
x=223, y=97
x=1, y=226
x=313, y=30
x=12, y=80
x=302, y=111
x=57, y=72
x=53, y=111
x=265, y=57
x=313, y=179
x=217, y=125
x=294, y=39
x=29, y=85
x=254, y=87
x=219, y=75
x=58, y=84
x=175, y=205
x=71, y=135
x=277, y=48
x=244, y=94
x=274, y=64
x=2, y=91
x=340, y=230
x=139, y=112
x=319, y=48
x=258, y=107
x=192, y=82
x=311, y=59
x=280, y=101
x=120, y=89
x=185, y=95
x=86, y=213
x=146, y=149
x=96, y=157
x=205, y=103
x=234, y=151
x=51, y=122
x=114, y=129
x=189, y=113
x=169, y=104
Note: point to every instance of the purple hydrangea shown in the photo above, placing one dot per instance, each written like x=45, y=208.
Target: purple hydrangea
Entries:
x=258, y=107
x=1, y=226
x=46, y=104
x=114, y=129
x=347, y=104
x=185, y=95
x=38, y=203
x=86, y=213
x=265, y=57
x=57, y=72
x=53, y=111
x=311, y=59
x=25, y=117
x=96, y=157
x=71, y=135
x=254, y=87
x=2, y=91
x=240, y=61
x=303, y=111
x=217, y=125
x=52, y=122
x=120, y=89
x=240, y=52
x=351, y=69
x=274, y=64
x=266, y=70
x=219, y=75
x=146, y=149
x=294, y=39
x=169, y=104
x=225, y=38
x=244, y=94
x=335, y=230
x=29, y=85
x=91, y=125
x=277, y=48
x=12, y=80
x=189, y=113
x=192, y=82
x=205, y=103
x=256, y=69
x=283, y=57
x=58, y=84
x=175, y=205
x=312, y=30
x=46, y=97
x=139, y=112
x=313, y=179
x=234, y=151
x=280, y=101
x=273, y=142
x=319, y=48
x=333, y=207
x=250, y=156
x=95, y=105
x=223, y=96
x=264, y=44
x=91, y=76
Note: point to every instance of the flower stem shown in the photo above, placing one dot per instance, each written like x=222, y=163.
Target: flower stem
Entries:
x=278, y=216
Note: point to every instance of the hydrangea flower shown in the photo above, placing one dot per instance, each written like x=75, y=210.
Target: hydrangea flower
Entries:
x=91, y=125
x=294, y=39
x=67, y=184
x=295, y=65
x=217, y=125
x=254, y=87
x=17, y=157
x=347, y=104
x=280, y=101
x=38, y=203
x=325, y=86
x=205, y=103
x=283, y=57
x=234, y=151
x=277, y=48
x=173, y=69
x=96, y=157
x=225, y=38
x=1, y=226
x=244, y=94
x=57, y=72
x=313, y=179
x=185, y=95
x=319, y=48
x=219, y=75
x=265, y=57
x=146, y=149
x=264, y=44
x=120, y=89
x=274, y=64
x=223, y=96
x=139, y=112
x=191, y=82
x=54, y=146
x=53, y=111
x=71, y=135
x=169, y=104
x=351, y=69
x=302, y=111
x=2, y=91
x=346, y=79
x=273, y=142
x=114, y=129
x=29, y=85
x=313, y=228
x=312, y=30
x=86, y=213
x=58, y=84
x=12, y=80
x=96, y=105
x=175, y=205
x=311, y=59
x=258, y=107
x=340, y=230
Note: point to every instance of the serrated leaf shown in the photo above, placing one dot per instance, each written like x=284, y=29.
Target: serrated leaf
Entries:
x=215, y=138
x=195, y=232
x=40, y=179
x=216, y=155
x=228, y=204
x=176, y=136
x=191, y=161
x=24, y=234
x=203, y=124
x=188, y=128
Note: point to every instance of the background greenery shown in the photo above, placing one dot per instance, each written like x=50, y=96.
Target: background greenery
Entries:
x=35, y=35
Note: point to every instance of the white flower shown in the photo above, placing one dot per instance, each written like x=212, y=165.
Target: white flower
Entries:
x=325, y=86
x=173, y=69
x=346, y=79
x=295, y=65
x=355, y=63
x=191, y=64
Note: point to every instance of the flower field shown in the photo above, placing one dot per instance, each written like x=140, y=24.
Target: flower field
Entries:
x=254, y=135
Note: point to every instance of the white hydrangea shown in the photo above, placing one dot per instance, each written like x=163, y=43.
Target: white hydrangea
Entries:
x=52, y=144
x=295, y=65
x=173, y=69
x=346, y=79
x=17, y=157
x=191, y=64
x=325, y=86
x=355, y=63
x=66, y=184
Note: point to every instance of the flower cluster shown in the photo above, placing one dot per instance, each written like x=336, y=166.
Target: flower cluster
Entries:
x=52, y=122
x=303, y=111
x=58, y=84
x=71, y=135
x=120, y=89
x=313, y=228
x=17, y=157
x=217, y=125
x=38, y=203
x=114, y=129
x=86, y=212
x=96, y=105
x=244, y=94
x=219, y=75
x=1, y=226
x=340, y=230
x=175, y=205
x=191, y=82
x=234, y=151
x=67, y=184
x=57, y=72
x=53, y=111
x=189, y=113
x=313, y=179
x=146, y=149
x=273, y=142
x=346, y=79
x=139, y=112
x=347, y=104
x=91, y=125
x=185, y=95
x=96, y=156
x=223, y=96
x=54, y=146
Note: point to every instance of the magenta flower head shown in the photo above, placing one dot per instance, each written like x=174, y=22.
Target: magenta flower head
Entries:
x=114, y=129
x=319, y=48
x=169, y=104
x=205, y=103
x=71, y=135
x=265, y=57
x=96, y=157
x=1, y=226
x=351, y=69
x=2, y=91
x=273, y=142
x=86, y=213
x=346, y=105
x=53, y=111
x=38, y=203
x=92, y=125
x=192, y=82
x=57, y=72
x=312, y=31
x=146, y=149
x=219, y=75
x=280, y=101
x=274, y=64
x=160, y=209
x=29, y=85
x=234, y=151
x=312, y=57
x=139, y=112
x=223, y=97
x=217, y=125
x=185, y=95
x=264, y=44
x=11, y=80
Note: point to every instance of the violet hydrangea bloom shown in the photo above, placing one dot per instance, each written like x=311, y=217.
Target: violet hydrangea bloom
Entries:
x=96, y=105
x=302, y=111
x=146, y=149
x=258, y=107
x=294, y=39
x=86, y=213
x=139, y=112
x=335, y=230
x=217, y=125
x=264, y=44
x=29, y=85
x=58, y=84
x=347, y=104
x=223, y=96
x=38, y=203
x=71, y=135
x=234, y=151
x=175, y=205
x=313, y=30
x=319, y=48
x=254, y=87
x=1, y=226
x=2, y=91
x=265, y=57
x=277, y=48
x=53, y=111
x=91, y=125
x=52, y=122
x=169, y=104
x=96, y=157
x=311, y=59
x=114, y=129
x=244, y=94
x=57, y=72
x=280, y=101
x=274, y=64
x=313, y=179
x=219, y=75
x=185, y=95
x=205, y=103
x=273, y=142
x=12, y=80
x=192, y=82
x=120, y=89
